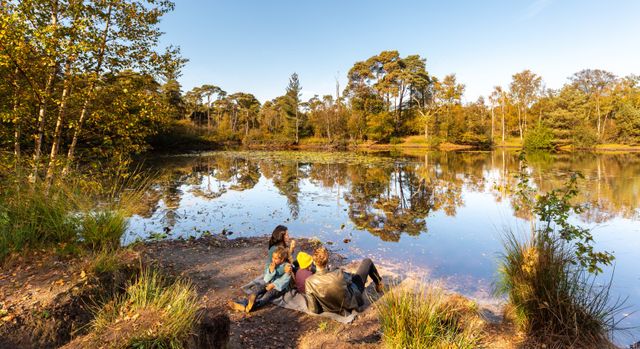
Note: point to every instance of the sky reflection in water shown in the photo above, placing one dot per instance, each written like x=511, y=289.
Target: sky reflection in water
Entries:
x=439, y=215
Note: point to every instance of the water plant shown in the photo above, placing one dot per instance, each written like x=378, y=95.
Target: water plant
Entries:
x=31, y=217
x=549, y=276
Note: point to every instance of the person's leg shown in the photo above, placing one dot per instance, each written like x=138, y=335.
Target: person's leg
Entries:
x=367, y=268
x=266, y=298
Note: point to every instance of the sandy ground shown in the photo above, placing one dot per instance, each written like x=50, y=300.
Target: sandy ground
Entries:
x=218, y=267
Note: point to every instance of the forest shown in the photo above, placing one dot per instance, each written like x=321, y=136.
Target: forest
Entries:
x=89, y=81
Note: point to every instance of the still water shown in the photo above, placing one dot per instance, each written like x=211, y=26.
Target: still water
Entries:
x=439, y=215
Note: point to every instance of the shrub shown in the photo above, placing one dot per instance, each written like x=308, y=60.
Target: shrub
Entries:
x=152, y=313
x=477, y=140
x=428, y=319
x=549, y=277
x=584, y=138
x=395, y=140
x=539, y=138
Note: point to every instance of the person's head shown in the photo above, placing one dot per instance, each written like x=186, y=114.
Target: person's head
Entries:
x=321, y=257
x=279, y=255
x=304, y=260
x=279, y=237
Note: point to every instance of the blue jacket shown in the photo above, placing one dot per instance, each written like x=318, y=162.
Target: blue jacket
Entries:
x=279, y=278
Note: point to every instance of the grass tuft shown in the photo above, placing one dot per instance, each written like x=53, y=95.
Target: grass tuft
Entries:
x=32, y=218
x=103, y=230
x=153, y=313
x=428, y=318
x=554, y=300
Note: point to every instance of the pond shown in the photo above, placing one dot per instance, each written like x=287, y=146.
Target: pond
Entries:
x=440, y=215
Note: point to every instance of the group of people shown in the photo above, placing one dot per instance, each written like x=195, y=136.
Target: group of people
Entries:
x=324, y=290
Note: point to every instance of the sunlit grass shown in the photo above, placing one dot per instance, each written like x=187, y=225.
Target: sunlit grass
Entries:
x=69, y=215
x=31, y=217
x=428, y=318
x=153, y=313
x=552, y=299
x=103, y=229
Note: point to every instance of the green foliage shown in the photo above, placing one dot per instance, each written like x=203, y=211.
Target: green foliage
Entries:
x=428, y=318
x=549, y=277
x=165, y=312
x=380, y=127
x=584, y=138
x=479, y=140
x=628, y=121
x=32, y=218
x=395, y=140
x=539, y=138
x=102, y=230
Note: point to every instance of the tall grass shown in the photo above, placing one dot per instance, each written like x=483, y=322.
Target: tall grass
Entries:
x=554, y=300
x=153, y=313
x=428, y=318
x=549, y=276
x=31, y=217
x=102, y=230
x=72, y=214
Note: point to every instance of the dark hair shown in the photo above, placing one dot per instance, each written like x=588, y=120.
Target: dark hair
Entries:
x=277, y=237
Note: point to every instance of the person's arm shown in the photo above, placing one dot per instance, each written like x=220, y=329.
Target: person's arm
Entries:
x=282, y=282
x=292, y=245
x=269, y=273
x=311, y=300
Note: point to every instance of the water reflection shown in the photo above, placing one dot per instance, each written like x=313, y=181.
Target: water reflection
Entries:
x=437, y=211
x=394, y=194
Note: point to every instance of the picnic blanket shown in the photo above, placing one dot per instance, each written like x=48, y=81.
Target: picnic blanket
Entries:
x=295, y=301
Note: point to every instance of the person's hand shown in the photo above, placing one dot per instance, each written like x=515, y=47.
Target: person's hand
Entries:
x=270, y=287
x=272, y=267
x=288, y=269
x=292, y=245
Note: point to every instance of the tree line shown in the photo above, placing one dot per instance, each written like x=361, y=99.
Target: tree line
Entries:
x=388, y=97
x=87, y=79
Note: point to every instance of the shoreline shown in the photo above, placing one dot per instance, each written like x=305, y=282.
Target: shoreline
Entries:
x=217, y=266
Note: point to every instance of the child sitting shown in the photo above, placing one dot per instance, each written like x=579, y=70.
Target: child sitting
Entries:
x=305, y=262
x=276, y=283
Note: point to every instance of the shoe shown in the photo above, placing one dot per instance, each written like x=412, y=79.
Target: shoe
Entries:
x=380, y=287
x=252, y=301
x=236, y=306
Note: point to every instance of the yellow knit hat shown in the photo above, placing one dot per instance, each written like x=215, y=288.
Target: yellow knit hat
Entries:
x=304, y=260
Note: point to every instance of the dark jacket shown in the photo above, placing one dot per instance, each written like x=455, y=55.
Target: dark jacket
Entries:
x=332, y=291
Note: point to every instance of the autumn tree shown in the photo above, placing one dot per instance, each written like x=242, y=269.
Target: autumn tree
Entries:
x=525, y=88
x=596, y=84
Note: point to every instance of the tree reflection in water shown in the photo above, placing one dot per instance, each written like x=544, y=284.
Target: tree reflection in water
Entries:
x=390, y=195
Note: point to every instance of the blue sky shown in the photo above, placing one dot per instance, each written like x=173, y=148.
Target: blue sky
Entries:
x=254, y=46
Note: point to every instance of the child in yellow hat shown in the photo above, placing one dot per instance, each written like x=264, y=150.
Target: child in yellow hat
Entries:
x=305, y=261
